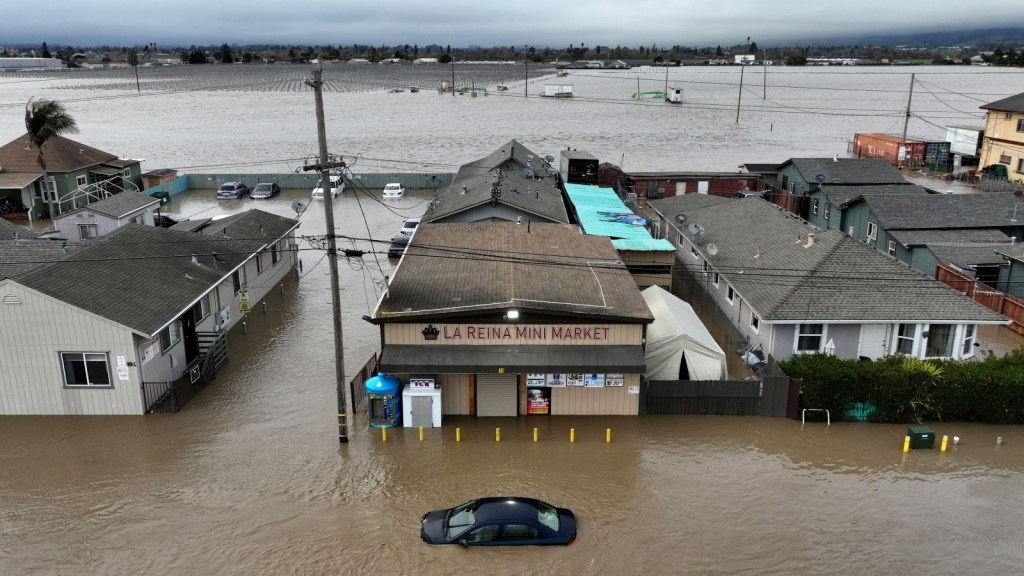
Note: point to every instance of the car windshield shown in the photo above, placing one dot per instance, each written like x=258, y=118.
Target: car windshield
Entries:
x=547, y=515
x=411, y=224
x=460, y=519
x=263, y=186
x=392, y=187
x=229, y=187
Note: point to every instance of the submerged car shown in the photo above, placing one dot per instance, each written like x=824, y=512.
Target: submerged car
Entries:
x=337, y=187
x=167, y=220
x=394, y=190
x=232, y=191
x=501, y=521
x=398, y=245
x=265, y=190
x=409, y=226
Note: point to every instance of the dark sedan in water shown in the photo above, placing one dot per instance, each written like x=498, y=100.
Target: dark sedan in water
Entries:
x=501, y=521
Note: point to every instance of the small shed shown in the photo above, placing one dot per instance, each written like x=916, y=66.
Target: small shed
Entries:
x=679, y=346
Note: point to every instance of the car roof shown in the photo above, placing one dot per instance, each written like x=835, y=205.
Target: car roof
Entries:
x=400, y=239
x=508, y=508
x=265, y=184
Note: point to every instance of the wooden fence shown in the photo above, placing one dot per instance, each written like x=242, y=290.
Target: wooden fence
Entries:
x=1009, y=306
x=770, y=396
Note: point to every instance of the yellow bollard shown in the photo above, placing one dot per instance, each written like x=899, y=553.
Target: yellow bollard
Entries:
x=458, y=434
x=945, y=439
x=497, y=434
x=607, y=434
x=572, y=435
x=534, y=434
x=906, y=444
x=383, y=434
x=421, y=433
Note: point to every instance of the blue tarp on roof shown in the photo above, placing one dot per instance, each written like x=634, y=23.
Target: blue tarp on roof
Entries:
x=602, y=213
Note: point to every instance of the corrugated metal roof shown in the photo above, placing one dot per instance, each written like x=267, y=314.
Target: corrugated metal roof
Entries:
x=602, y=213
x=643, y=245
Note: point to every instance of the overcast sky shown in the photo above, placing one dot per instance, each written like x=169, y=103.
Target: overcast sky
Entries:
x=460, y=23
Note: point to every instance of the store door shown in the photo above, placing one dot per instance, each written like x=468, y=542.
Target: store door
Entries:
x=497, y=395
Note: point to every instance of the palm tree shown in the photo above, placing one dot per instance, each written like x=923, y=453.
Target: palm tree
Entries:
x=43, y=120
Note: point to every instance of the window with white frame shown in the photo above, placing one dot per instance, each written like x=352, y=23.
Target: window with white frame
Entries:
x=755, y=321
x=809, y=336
x=892, y=247
x=201, y=309
x=1020, y=165
x=814, y=207
x=704, y=266
x=1008, y=115
x=906, y=334
x=81, y=180
x=238, y=279
x=828, y=210
x=86, y=231
x=693, y=251
x=715, y=279
x=1005, y=159
x=49, y=190
x=85, y=369
x=1020, y=125
x=259, y=263
x=939, y=343
x=970, y=333
x=126, y=173
x=872, y=230
x=730, y=295
x=169, y=336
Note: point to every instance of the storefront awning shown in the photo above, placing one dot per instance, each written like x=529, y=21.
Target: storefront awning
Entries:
x=449, y=359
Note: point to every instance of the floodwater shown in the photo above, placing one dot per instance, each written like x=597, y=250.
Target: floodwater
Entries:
x=250, y=479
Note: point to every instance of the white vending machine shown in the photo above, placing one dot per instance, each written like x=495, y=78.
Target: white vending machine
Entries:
x=421, y=403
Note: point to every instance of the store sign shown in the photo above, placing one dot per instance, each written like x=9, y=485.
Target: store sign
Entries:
x=534, y=380
x=594, y=380
x=574, y=379
x=530, y=333
x=556, y=380
x=420, y=382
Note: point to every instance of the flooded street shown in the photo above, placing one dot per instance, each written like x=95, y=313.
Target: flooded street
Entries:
x=249, y=478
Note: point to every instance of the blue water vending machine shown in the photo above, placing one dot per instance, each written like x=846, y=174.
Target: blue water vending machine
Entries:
x=384, y=401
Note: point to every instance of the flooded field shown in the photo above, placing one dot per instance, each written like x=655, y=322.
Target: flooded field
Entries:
x=249, y=478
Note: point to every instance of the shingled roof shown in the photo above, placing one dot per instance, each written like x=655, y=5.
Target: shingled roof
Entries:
x=119, y=205
x=1011, y=104
x=465, y=268
x=932, y=211
x=841, y=195
x=765, y=254
x=61, y=155
x=538, y=196
x=848, y=171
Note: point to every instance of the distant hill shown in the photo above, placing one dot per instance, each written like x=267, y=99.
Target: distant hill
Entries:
x=982, y=38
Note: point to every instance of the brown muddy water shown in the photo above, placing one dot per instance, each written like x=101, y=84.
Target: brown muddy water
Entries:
x=250, y=479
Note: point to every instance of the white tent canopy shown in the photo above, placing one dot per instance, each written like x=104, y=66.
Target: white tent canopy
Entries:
x=677, y=334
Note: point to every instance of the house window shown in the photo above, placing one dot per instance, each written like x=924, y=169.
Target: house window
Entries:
x=49, y=190
x=1020, y=125
x=238, y=279
x=86, y=231
x=808, y=337
x=892, y=247
x=730, y=295
x=905, y=336
x=85, y=369
x=704, y=266
x=970, y=332
x=940, y=341
x=785, y=182
x=81, y=181
x=202, y=308
x=1020, y=165
x=714, y=279
x=1005, y=159
x=693, y=250
x=275, y=257
x=1008, y=115
x=828, y=211
x=814, y=207
x=169, y=336
x=755, y=322
x=872, y=230
x=126, y=173
x=259, y=263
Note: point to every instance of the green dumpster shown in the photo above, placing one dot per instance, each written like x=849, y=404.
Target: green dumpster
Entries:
x=921, y=437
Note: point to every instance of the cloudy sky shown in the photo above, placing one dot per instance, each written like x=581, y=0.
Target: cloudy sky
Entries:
x=461, y=23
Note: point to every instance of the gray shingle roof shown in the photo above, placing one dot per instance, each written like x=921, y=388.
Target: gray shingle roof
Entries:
x=9, y=229
x=466, y=268
x=140, y=276
x=539, y=196
x=1011, y=104
x=18, y=257
x=123, y=203
x=974, y=255
x=840, y=195
x=763, y=254
x=254, y=225
x=847, y=170
x=989, y=210
x=949, y=237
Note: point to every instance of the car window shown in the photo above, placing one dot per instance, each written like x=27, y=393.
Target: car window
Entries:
x=547, y=515
x=519, y=532
x=483, y=534
x=411, y=223
x=461, y=518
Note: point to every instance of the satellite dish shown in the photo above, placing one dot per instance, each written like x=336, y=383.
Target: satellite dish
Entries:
x=695, y=229
x=298, y=207
x=712, y=249
x=549, y=158
x=551, y=171
x=819, y=178
x=680, y=218
x=527, y=173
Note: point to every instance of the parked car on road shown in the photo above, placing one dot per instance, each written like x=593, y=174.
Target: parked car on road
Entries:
x=409, y=226
x=501, y=521
x=337, y=187
x=398, y=245
x=265, y=190
x=394, y=190
x=232, y=191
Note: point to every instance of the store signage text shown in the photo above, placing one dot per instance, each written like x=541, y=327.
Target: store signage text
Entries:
x=587, y=333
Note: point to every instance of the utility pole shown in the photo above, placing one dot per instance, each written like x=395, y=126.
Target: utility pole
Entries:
x=740, y=97
x=526, y=83
x=906, y=122
x=316, y=82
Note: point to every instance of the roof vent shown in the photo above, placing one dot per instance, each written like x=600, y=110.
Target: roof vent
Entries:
x=195, y=258
x=810, y=240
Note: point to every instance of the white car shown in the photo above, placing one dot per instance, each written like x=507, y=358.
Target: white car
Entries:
x=409, y=227
x=337, y=187
x=394, y=190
